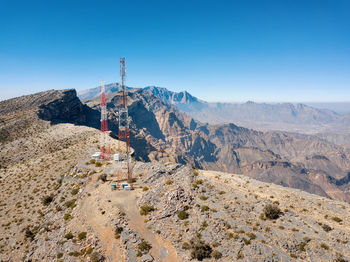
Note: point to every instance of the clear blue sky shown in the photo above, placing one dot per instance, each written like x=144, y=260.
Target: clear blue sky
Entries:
x=263, y=50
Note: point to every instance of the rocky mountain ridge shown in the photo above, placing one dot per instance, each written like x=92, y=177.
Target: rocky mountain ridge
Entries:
x=288, y=117
x=161, y=132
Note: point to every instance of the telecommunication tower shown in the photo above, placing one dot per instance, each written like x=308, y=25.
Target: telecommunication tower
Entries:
x=123, y=118
x=105, y=151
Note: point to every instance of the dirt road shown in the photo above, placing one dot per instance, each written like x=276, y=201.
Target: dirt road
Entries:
x=103, y=199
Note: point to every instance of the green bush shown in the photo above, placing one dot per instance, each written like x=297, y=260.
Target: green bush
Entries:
x=272, y=211
x=47, y=200
x=326, y=227
x=29, y=234
x=186, y=246
x=203, y=198
x=96, y=257
x=169, y=182
x=337, y=219
x=67, y=216
x=200, y=250
x=74, y=253
x=98, y=164
x=70, y=203
x=146, y=209
x=145, y=188
x=69, y=235
x=75, y=191
x=183, y=215
x=215, y=244
x=302, y=246
x=204, y=208
x=144, y=247
x=216, y=254
x=82, y=235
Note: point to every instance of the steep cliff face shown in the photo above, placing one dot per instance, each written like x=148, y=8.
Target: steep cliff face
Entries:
x=27, y=116
x=63, y=107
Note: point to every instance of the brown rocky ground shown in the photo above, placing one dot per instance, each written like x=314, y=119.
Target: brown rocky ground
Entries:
x=224, y=211
x=55, y=207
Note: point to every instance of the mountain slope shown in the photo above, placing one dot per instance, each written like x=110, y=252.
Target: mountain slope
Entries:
x=56, y=205
x=160, y=132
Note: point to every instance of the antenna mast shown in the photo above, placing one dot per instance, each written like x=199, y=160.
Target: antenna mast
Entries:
x=124, y=119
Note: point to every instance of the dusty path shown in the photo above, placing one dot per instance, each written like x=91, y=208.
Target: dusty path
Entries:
x=91, y=210
x=127, y=202
x=103, y=199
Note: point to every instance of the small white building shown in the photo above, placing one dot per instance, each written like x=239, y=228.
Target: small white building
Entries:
x=96, y=155
x=116, y=157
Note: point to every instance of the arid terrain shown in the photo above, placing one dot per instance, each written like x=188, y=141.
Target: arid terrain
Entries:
x=56, y=203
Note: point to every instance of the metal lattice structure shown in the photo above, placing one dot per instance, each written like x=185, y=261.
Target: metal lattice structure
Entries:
x=105, y=151
x=124, y=119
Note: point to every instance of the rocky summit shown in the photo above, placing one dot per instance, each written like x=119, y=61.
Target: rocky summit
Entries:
x=201, y=192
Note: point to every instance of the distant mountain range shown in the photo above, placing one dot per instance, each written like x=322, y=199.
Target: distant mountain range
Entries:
x=288, y=117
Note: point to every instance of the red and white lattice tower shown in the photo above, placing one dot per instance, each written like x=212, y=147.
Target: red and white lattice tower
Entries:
x=124, y=119
x=105, y=151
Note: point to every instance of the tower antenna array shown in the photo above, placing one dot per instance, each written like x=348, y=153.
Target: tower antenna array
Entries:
x=124, y=119
x=105, y=151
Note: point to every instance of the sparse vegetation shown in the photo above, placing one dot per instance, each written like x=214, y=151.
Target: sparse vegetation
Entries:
x=169, y=182
x=204, y=208
x=302, y=246
x=203, y=198
x=337, y=219
x=67, y=216
x=272, y=211
x=326, y=227
x=47, y=200
x=144, y=247
x=200, y=250
x=69, y=235
x=82, y=235
x=71, y=203
x=186, y=246
x=146, y=209
x=75, y=191
x=183, y=215
x=216, y=254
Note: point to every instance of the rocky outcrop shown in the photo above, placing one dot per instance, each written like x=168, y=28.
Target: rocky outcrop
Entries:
x=64, y=107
